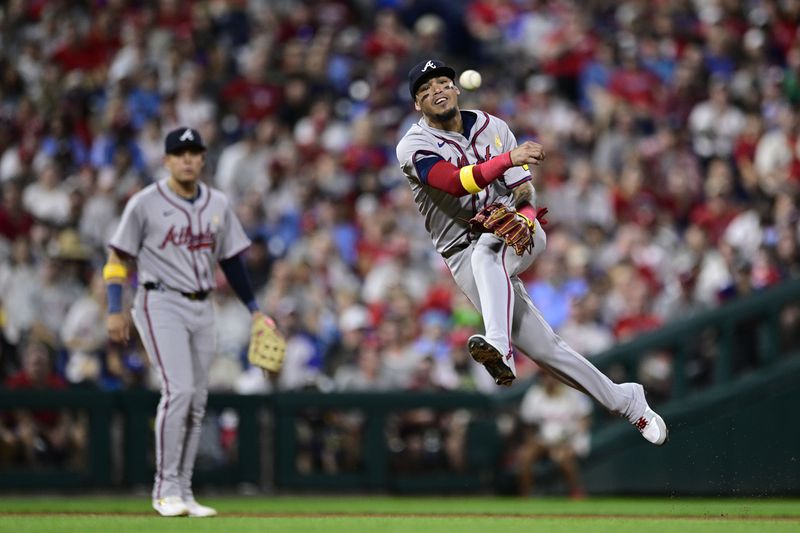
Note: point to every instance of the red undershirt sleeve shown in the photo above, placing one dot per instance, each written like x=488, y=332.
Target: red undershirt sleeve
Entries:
x=470, y=179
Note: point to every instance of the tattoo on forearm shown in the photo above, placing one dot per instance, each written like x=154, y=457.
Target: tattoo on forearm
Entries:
x=523, y=194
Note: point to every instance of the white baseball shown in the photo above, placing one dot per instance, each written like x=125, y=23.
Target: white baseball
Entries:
x=470, y=80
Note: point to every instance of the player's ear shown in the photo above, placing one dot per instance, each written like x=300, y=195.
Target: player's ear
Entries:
x=416, y=105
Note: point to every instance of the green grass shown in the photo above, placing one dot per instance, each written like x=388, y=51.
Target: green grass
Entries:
x=405, y=514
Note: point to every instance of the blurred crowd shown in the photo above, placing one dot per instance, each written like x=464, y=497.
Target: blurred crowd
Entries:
x=672, y=175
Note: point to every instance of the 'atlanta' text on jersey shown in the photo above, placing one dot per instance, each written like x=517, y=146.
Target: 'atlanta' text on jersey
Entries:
x=185, y=237
x=177, y=242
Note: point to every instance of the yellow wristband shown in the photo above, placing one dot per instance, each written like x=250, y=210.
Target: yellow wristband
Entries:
x=114, y=271
x=468, y=180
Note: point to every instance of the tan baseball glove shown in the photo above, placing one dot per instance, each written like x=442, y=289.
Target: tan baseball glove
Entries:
x=505, y=222
x=267, y=345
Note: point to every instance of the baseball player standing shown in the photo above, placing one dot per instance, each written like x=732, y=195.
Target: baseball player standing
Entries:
x=176, y=230
x=462, y=165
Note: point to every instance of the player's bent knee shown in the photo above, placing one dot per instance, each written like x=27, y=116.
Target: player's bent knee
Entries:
x=182, y=395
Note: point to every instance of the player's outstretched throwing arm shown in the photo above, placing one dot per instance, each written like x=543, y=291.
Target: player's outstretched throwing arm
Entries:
x=471, y=179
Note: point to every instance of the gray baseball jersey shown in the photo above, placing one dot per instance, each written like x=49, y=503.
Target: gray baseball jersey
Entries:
x=484, y=268
x=176, y=242
x=445, y=215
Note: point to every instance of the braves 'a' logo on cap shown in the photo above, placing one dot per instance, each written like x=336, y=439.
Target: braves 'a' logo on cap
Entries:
x=428, y=65
x=187, y=135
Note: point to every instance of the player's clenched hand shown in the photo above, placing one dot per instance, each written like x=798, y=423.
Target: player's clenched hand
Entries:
x=118, y=327
x=527, y=153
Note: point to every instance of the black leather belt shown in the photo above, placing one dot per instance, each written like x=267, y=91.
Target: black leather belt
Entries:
x=158, y=286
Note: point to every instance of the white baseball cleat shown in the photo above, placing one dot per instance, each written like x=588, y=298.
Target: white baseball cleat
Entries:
x=199, y=511
x=652, y=427
x=171, y=506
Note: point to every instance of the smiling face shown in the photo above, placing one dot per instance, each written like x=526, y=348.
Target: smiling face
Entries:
x=437, y=98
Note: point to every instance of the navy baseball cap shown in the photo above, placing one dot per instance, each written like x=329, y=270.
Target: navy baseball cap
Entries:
x=425, y=70
x=183, y=139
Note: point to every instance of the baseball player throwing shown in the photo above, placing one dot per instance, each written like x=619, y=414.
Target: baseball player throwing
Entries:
x=471, y=182
x=176, y=230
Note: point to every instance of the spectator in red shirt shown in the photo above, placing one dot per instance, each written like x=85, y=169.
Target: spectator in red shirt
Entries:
x=77, y=51
x=485, y=19
x=172, y=15
x=15, y=221
x=388, y=37
x=252, y=96
x=364, y=153
x=568, y=50
x=636, y=317
x=40, y=436
x=718, y=209
x=633, y=201
x=635, y=85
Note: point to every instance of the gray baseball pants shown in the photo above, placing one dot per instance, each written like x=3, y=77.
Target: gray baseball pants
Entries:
x=487, y=271
x=178, y=335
